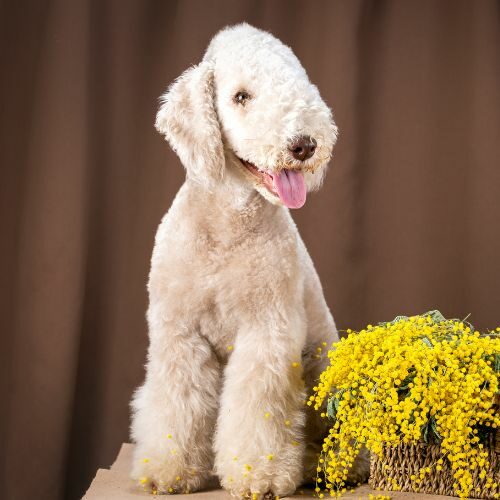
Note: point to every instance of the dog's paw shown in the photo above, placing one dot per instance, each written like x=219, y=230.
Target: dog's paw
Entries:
x=163, y=477
x=246, y=493
x=257, y=496
x=265, y=479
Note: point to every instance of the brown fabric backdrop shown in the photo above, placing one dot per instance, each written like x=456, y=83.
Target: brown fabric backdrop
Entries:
x=408, y=218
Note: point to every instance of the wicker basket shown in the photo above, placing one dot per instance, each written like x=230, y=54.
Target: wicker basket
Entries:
x=401, y=462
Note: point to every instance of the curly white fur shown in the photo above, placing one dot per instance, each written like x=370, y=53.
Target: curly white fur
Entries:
x=236, y=308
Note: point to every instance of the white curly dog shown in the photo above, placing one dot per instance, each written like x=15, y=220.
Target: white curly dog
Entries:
x=237, y=316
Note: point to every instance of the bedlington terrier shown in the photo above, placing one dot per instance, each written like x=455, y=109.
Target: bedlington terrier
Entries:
x=237, y=317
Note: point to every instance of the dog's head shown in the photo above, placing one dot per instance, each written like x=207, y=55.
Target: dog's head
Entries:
x=250, y=107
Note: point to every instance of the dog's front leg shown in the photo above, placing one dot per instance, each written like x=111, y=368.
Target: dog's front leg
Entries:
x=176, y=409
x=258, y=441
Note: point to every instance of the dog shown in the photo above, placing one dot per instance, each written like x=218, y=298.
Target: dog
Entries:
x=238, y=324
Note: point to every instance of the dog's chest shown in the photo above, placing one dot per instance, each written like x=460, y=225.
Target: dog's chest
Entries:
x=248, y=281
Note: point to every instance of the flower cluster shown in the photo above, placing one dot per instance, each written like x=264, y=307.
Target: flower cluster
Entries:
x=421, y=378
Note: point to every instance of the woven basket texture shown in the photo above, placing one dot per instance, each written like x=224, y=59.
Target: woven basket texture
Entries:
x=401, y=462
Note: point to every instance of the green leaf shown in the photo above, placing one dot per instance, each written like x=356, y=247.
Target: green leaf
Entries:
x=333, y=405
x=331, y=410
x=435, y=431
x=427, y=341
x=435, y=315
x=425, y=432
x=395, y=320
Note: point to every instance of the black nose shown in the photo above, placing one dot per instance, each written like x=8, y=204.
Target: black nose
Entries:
x=303, y=147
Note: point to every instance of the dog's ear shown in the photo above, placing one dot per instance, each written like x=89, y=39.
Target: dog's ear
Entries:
x=188, y=119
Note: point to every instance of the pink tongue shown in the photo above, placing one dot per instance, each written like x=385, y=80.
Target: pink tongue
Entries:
x=290, y=187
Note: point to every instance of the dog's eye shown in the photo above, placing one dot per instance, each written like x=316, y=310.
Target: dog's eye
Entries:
x=241, y=97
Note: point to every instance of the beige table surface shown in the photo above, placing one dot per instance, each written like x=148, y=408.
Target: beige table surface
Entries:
x=114, y=484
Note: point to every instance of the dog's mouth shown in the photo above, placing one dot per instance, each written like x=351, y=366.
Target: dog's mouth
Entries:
x=286, y=184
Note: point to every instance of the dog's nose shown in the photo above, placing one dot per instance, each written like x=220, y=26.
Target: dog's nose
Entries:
x=303, y=147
